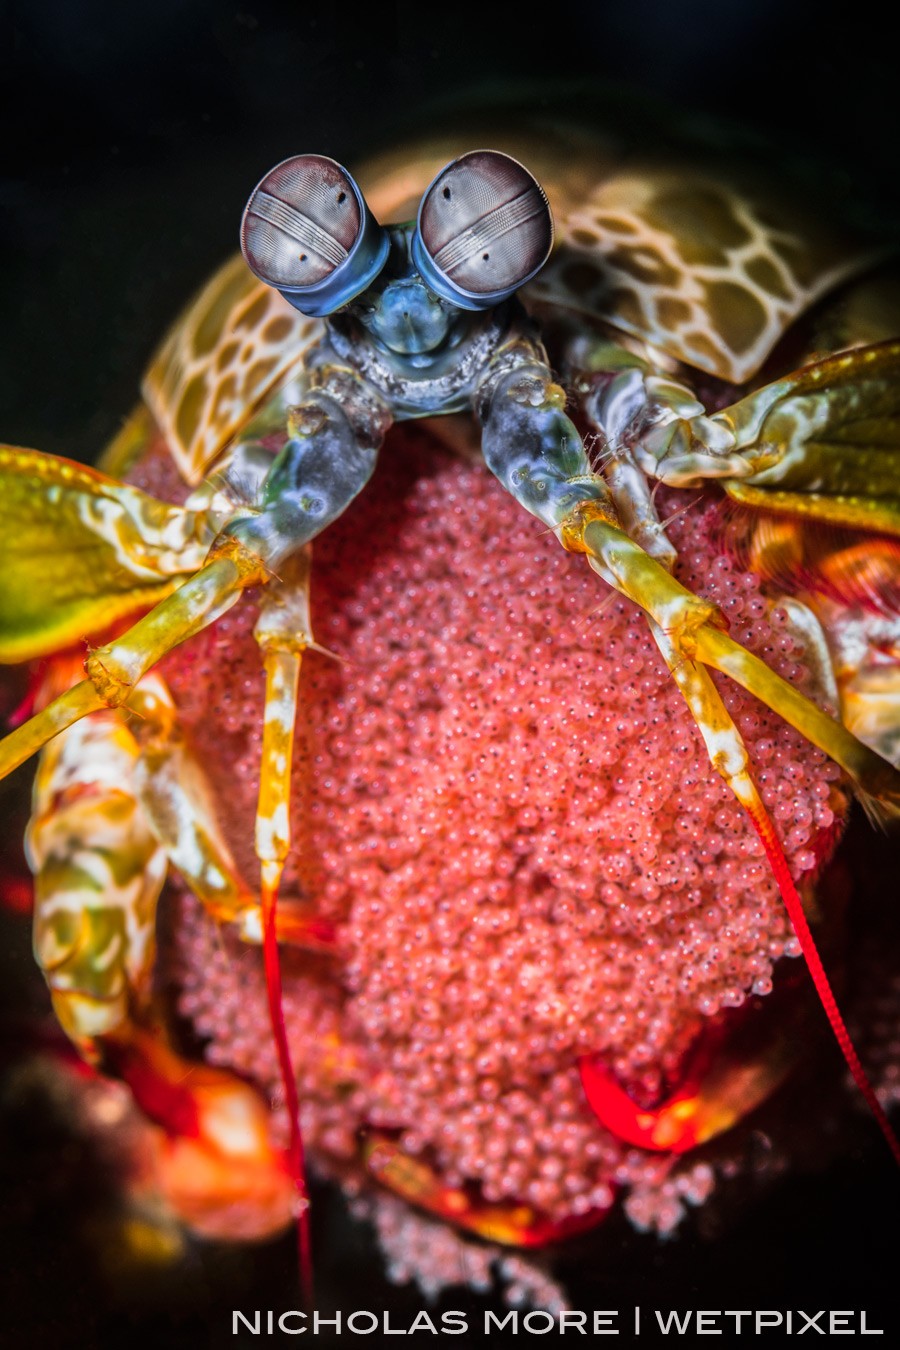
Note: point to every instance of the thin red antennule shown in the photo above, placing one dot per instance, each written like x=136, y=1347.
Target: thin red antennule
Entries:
x=777, y=861
x=283, y=633
x=295, y=1153
x=728, y=754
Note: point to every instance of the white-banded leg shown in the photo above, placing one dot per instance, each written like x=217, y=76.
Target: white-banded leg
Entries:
x=536, y=453
x=283, y=633
x=625, y=401
x=616, y=404
x=728, y=756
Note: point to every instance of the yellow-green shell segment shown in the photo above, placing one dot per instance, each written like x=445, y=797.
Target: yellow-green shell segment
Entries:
x=827, y=440
x=79, y=551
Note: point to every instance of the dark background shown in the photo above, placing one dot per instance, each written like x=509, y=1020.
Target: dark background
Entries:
x=132, y=135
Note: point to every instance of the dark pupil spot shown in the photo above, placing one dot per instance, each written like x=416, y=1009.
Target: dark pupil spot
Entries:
x=446, y=194
x=342, y=198
x=485, y=256
x=303, y=257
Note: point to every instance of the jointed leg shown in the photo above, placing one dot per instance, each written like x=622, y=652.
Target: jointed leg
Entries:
x=331, y=453
x=728, y=755
x=697, y=632
x=536, y=452
x=619, y=402
x=179, y=803
x=283, y=633
x=115, y=669
x=533, y=449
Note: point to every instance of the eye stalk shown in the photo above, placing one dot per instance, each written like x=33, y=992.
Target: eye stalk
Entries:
x=308, y=232
x=484, y=229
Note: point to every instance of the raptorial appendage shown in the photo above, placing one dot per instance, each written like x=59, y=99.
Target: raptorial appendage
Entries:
x=329, y=455
x=536, y=453
x=528, y=441
x=333, y=440
x=824, y=440
x=327, y=460
x=132, y=550
x=419, y=319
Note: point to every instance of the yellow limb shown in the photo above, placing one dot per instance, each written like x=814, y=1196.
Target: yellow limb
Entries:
x=34, y=734
x=283, y=633
x=273, y=836
x=728, y=756
x=117, y=667
x=695, y=628
x=867, y=768
x=724, y=744
x=877, y=514
x=114, y=669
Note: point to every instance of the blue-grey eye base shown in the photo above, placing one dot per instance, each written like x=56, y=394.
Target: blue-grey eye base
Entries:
x=361, y=267
x=436, y=280
x=509, y=196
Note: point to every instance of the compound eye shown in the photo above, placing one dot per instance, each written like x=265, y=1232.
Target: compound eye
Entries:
x=484, y=229
x=307, y=231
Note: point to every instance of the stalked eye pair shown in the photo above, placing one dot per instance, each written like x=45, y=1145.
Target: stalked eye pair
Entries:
x=484, y=229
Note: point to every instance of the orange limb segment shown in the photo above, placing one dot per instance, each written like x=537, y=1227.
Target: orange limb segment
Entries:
x=719, y=1087
x=218, y=1166
x=513, y=1225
